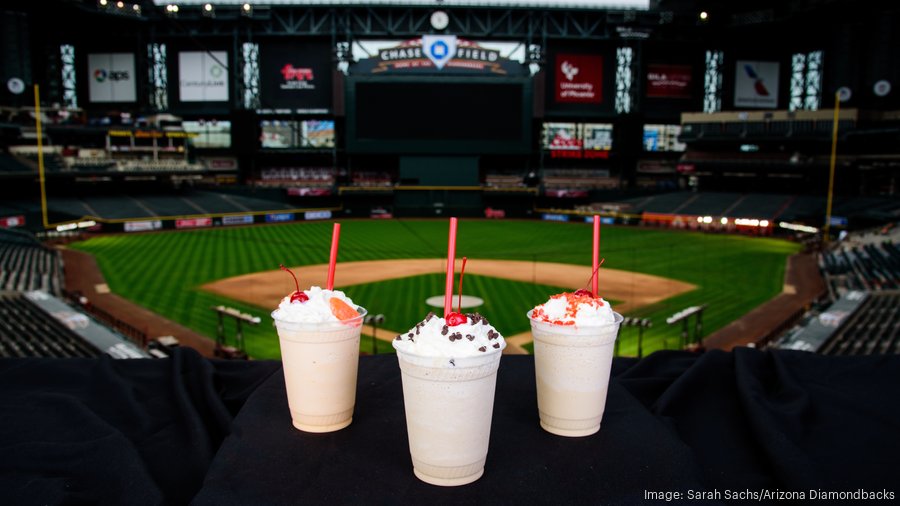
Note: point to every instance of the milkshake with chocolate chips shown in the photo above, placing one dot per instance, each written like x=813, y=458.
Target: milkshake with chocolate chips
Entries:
x=449, y=373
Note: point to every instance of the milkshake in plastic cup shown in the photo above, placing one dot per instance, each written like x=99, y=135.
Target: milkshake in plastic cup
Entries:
x=574, y=337
x=449, y=374
x=319, y=336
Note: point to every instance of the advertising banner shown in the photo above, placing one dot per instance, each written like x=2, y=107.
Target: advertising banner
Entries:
x=194, y=223
x=296, y=75
x=317, y=215
x=111, y=77
x=309, y=192
x=555, y=217
x=245, y=219
x=604, y=220
x=203, y=76
x=142, y=226
x=756, y=84
x=12, y=221
x=279, y=217
x=668, y=81
x=578, y=78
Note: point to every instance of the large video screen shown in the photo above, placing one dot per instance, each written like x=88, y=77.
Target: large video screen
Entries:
x=306, y=134
x=577, y=136
x=210, y=133
x=317, y=134
x=278, y=134
x=662, y=138
x=429, y=115
x=561, y=136
x=597, y=136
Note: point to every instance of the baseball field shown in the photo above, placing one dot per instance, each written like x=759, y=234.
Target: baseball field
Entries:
x=392, y=266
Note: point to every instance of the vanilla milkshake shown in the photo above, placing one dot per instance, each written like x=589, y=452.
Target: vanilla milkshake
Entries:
x=319, y=331
x=574, y=336
x=449, y=373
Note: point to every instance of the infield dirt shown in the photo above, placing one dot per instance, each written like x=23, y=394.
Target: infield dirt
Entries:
x=635, y=290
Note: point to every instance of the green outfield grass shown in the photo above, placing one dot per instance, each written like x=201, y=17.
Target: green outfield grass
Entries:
x=163, y=271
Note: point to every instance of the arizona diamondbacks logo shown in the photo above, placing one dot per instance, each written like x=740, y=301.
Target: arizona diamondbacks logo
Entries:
x=439, y=48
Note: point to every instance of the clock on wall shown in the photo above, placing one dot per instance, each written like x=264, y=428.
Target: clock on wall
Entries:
x=439, y=20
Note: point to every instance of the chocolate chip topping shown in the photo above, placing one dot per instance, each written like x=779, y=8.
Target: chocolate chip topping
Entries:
x=496, y=345
x=429, y=316
x=482, y=349
x=470, y=337
x=444, y=330
x=456, y=336
x=492, y=334
x=398, y=338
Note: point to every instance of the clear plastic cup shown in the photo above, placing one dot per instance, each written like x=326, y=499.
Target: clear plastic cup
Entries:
x=571, y=367
x=449, y=406
x=320, y=367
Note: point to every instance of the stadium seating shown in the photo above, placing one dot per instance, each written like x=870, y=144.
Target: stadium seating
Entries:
x=26, y=265
x=760, y=205
x=581, y=179
x=874, y=329
x=370, y=178
x=27, y=331
x=709, y=204
x=510, y=179
x=869, y=267
x=170, y=205
x=297, y=176
x=9, y=164
x=664, y=203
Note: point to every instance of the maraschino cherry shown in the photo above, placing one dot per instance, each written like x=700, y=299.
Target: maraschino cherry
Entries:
x=583, y=293
x=458, y=318
x=297, y=295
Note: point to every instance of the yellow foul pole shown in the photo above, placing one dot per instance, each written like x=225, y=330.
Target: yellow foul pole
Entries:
x=40, y=145
x=834, y=132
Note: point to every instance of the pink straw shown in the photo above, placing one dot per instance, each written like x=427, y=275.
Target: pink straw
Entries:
x=332, y=260
x=451, y=266
x=595, y=263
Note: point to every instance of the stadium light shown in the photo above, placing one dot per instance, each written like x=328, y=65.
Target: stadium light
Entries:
x=209, y=11
x=798, y=227
x=172, y=10
x=704, y=16
x=246, y=10
x=724, y=221
x=102, y=3
x=120, y=4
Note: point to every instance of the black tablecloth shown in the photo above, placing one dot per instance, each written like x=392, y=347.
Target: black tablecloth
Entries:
x=167, y=431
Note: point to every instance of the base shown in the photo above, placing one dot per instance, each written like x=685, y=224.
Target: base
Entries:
x=570, y=432
x=321, y=428
x=448, y=482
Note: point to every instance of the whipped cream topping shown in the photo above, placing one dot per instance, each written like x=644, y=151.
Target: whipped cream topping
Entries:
x=315, y=310
x=570, y=309
x=432, y=337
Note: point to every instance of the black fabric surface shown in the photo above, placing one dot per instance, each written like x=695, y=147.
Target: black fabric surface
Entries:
x=673, y=422
x=103, y=431
x=168, y=431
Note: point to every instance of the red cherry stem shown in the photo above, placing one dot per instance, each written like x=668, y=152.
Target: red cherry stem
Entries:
x=296, y=283
x=594, y=274
x=459, y=299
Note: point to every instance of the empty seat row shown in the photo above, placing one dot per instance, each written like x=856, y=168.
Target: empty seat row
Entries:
x=26, y=331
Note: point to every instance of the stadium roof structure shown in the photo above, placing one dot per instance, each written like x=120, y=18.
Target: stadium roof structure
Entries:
x=531, y=4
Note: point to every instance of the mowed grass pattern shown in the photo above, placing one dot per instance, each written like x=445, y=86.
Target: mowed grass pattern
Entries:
x=402, y=300
x=163, y=271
